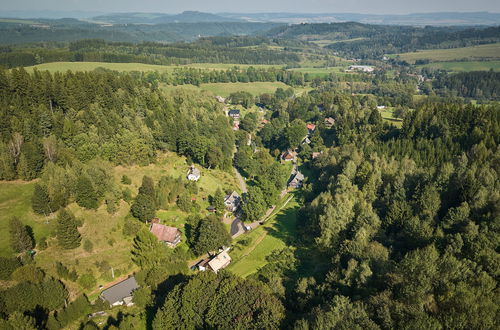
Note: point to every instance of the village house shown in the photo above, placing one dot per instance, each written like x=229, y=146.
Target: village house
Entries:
x=236, y=125
x=232, y=201
x=306, y=140
x=120, y=293
x=193, y=174
x=297, y=180
x=310, y=128
x=288, y=155
x=362, y=68
x=329, y=122
x=234, y=113
x=315, y=155
x=169, y=235
x=222, y=260
x=220, y=99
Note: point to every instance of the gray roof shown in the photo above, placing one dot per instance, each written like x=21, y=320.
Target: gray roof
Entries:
x=299, y=177
x=120, y=291
x=234, y=112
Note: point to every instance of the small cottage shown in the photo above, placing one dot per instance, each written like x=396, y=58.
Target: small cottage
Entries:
x=232, y=201
x=288, y=155
x=169, y=235
x=193, y=174
x=310, y=128
x=297, y=180
x=220, y=261
x=329, y=122
x=234, y=113
x=121, y=293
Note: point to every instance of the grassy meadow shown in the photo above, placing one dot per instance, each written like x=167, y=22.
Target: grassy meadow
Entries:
x=103, y=230
x=128, y=67
x=465, y=66
x=481, y=52
x=251, y=249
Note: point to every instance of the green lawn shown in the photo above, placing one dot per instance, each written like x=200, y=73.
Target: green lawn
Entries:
x=127, y=67
x=465, y=66
x=488, y=52
x=15, y=200
x=388, y=115
x=273, y=235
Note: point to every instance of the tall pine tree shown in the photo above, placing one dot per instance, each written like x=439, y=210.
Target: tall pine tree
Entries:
x=40, y=200
x=20, y=238
x=67, y=231
x=86, y=195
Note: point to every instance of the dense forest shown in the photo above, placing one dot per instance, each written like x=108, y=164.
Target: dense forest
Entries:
x=69, y=117
x=373, y=41
x=477, y=85
x=206, y=50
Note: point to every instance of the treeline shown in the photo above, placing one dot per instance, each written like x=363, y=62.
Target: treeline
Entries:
x=480, y=85
x=80, y=116
x=202, y=51
x=181, y=76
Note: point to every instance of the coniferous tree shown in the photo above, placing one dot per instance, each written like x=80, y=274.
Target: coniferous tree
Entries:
x=67, y=230
x=147, y=187
x=40, y=201
x=218, y=201
x=143, y=207
x=20, y=238
x=86, y=195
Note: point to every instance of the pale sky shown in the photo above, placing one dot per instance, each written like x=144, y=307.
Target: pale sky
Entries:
x=242, y=6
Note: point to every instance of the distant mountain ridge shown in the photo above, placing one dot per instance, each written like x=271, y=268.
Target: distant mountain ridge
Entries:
x=416, y=19
x=159, y=18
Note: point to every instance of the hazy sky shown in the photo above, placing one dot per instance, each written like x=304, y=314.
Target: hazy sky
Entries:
x=304, y=6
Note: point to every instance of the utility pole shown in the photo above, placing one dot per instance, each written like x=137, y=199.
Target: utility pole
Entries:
x=112, y=272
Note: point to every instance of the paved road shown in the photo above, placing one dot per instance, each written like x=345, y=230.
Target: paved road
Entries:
x=243, y=184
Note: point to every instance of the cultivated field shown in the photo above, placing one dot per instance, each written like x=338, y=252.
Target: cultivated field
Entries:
x=482, y=52
x=465, y=66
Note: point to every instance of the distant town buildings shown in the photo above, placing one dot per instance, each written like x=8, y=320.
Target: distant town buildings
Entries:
x=362, y=68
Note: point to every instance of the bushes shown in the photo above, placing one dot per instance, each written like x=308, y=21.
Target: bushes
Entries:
x=7, y=267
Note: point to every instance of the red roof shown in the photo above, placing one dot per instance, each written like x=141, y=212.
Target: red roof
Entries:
x=164, y=233
x=311, y=127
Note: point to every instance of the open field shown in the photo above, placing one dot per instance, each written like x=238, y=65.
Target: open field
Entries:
x=127, y=67
x=388, y=115
x=15, y=200
x=486, y=52
x=320, y=72
x=224, y=89
x=465, y=66
x=17, y=21
x=264, y=240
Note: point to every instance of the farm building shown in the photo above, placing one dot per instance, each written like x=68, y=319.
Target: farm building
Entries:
x=169, y=235
x=222, y=260
x=315, y=155
x=121, y=293
x=193, y=174
x=232, y=201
